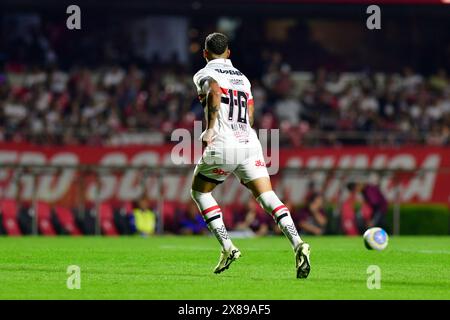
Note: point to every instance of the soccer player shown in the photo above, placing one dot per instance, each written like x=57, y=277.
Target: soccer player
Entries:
x=232, y=146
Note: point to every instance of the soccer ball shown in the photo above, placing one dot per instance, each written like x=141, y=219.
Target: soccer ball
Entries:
x=376, y=238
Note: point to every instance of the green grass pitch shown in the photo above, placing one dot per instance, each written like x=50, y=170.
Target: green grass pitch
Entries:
x=171, y=267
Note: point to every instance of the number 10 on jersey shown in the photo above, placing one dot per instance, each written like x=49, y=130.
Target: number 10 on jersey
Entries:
x=237, y=99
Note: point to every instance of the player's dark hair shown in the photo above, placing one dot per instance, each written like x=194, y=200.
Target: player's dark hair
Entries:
x=216, y=43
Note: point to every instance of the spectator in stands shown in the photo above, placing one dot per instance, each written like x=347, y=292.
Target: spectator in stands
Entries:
x=144, y=218
x=375, y=200
x=311, y=219
x=251, y=218
x=192, y=222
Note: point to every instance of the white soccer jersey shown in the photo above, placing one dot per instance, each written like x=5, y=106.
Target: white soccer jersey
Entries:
x=233, y=124
x=235, y=148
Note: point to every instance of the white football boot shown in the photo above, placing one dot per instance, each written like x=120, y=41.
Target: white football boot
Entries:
x=302, y=262
x=226, y=258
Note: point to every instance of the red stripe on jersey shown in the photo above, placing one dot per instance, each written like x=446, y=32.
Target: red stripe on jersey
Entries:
x=224, y=91
x=278, y=209
x=249, y=100
x=210, y=209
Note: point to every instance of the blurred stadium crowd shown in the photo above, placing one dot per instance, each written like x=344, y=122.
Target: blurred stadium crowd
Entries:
x=116, y=103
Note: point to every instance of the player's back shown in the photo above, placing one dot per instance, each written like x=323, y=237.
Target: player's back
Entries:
x=233, y=123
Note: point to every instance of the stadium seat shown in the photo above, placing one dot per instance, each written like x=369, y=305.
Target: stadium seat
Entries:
x=228, y=212
x=348, y=220
x=170, y=222
x=9, y=209
x=44, y=216
x=107, y=219
x=366, y=212
x=122, y=215
x=127, y=207
x=67, y=221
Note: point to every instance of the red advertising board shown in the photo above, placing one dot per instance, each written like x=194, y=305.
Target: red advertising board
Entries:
x=428, y=181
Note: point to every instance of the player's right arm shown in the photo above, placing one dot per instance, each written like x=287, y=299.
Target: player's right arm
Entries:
x=250, y=104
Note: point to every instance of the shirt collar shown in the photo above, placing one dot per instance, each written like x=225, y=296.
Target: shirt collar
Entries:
x=221, y=61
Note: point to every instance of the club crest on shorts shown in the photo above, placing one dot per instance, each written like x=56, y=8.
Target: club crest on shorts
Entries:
x=260, y=163
x=220, y=172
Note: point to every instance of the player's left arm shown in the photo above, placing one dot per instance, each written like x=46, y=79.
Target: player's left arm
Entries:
x=251, y=111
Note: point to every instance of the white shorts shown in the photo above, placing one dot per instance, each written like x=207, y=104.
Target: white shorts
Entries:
x=247, y=163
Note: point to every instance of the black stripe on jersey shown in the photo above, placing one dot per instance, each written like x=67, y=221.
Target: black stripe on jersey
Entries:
x=212, y=219
x=203, y=80
x=284, y=215
x=225, y=100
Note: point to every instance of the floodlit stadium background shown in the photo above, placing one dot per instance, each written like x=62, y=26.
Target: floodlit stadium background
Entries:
x=86, y=116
